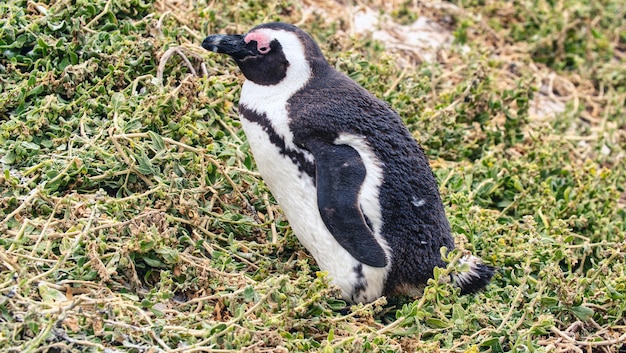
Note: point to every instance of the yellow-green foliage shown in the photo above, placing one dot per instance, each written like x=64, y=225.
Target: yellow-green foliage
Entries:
x=132, y=217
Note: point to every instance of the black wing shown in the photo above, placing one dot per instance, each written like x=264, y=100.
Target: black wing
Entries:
x=340, y=172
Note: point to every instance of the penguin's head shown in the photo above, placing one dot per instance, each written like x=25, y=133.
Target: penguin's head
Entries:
x=271, y=53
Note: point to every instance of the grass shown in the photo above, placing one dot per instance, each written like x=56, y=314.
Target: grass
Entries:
x=132, y=217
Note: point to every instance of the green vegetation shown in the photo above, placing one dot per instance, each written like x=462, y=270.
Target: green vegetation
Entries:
x=132, y=217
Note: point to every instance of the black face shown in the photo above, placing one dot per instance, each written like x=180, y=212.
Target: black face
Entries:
x=262, y=66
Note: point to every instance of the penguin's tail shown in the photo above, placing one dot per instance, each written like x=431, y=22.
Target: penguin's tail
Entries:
x=474, y=279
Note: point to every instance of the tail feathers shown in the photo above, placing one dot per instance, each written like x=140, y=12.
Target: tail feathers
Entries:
x=476, y=278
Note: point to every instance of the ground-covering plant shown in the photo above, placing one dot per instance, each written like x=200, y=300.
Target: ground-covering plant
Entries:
x=132, y=217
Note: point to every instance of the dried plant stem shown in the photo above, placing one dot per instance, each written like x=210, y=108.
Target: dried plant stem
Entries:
x=104, y=11
x=272, y=219
x=32, y=196
x=69, y=251
x=589, y=344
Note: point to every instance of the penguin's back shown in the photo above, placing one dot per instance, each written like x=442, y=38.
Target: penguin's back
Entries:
x=413, y=220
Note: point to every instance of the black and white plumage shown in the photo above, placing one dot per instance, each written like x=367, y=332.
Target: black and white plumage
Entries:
x=355, y=186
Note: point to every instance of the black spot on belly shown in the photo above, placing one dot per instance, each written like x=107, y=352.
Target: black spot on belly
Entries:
x=358, y=269
x=298, y=158
x=360, y=285
x=356, y=292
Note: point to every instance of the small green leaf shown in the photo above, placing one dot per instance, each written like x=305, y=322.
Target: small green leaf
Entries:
x=170, y=256
x=336, y=304
x=437, y=323
x=35, y=91
x=458, y=313
x=30, y=146
x=582, y=312
x=145, y=166
x=249, y=294
x=130, y=296
x=157, y=312
x=489, y=342
x=549, y=301
x=146, y=245
x=132, y=125
x=9, y=158
x=117, y=101
x=217, y=328
x=33, y=326
x=331, y=335
x=50, y=295
x=56, y=26
x=157, y=141
x=154, y=262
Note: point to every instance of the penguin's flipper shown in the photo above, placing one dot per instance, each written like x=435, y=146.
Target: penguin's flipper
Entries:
x=339, y=174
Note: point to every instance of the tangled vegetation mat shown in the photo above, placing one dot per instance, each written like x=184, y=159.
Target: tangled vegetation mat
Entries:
x=132, y=217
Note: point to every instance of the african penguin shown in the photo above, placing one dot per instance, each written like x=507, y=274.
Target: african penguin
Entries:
x=355, y=186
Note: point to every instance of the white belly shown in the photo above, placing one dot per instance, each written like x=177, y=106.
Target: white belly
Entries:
x=297, y=197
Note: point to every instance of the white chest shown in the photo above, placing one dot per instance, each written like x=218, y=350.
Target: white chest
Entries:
x=296, y=194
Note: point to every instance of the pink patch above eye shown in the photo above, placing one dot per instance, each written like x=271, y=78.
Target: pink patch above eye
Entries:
x=261, y=39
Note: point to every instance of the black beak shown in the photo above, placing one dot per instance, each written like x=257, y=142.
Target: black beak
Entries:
x=230, y=44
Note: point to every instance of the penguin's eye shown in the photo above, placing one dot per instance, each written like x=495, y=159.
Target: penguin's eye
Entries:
x=261, y=39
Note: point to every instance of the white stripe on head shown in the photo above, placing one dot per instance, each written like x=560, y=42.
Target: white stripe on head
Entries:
x=298, y=71
x=271, y=100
